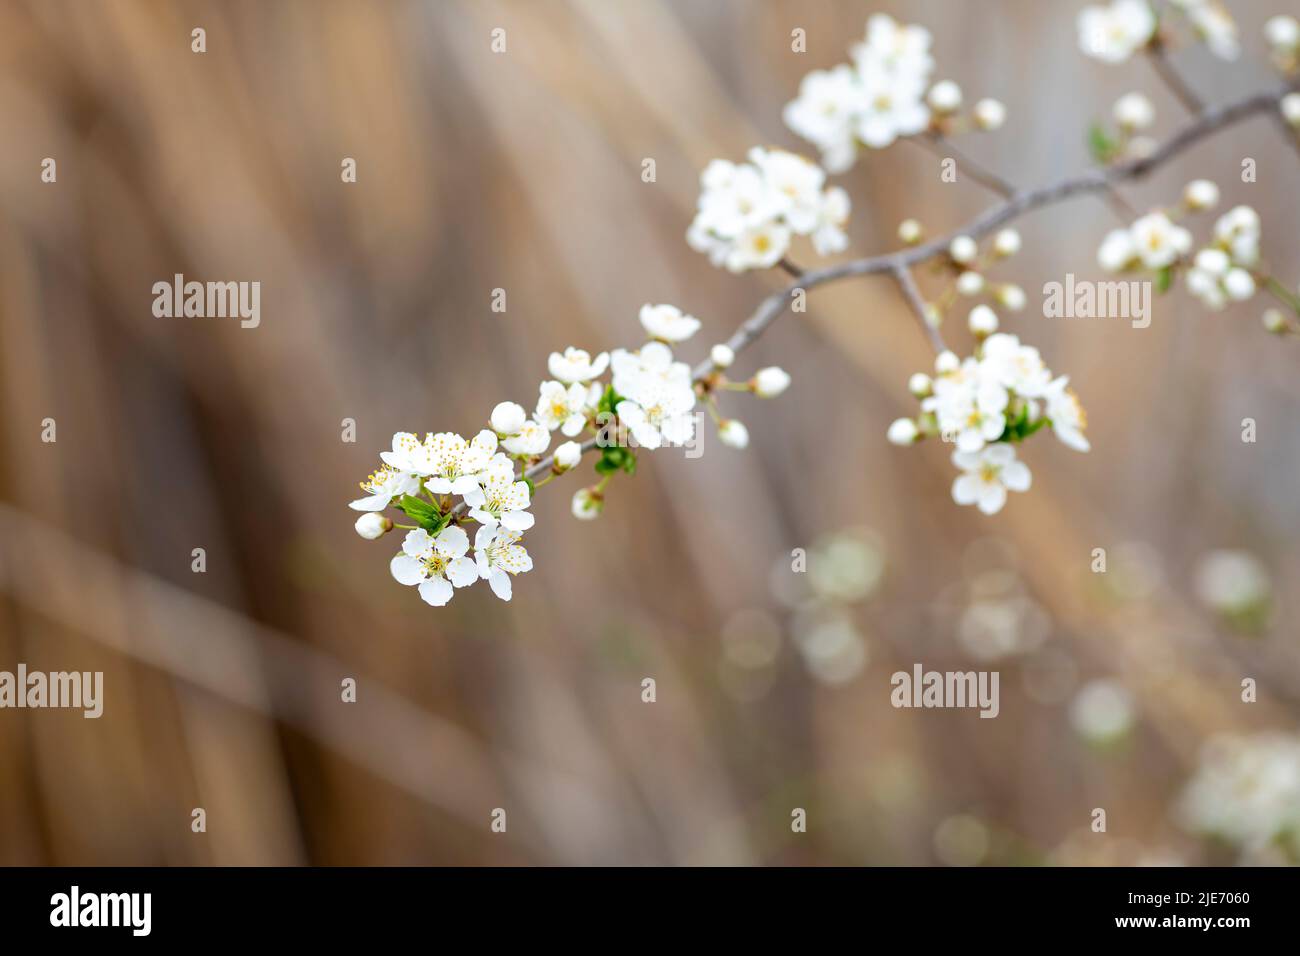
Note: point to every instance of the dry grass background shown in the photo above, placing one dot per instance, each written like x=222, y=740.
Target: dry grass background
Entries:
x=522, y=171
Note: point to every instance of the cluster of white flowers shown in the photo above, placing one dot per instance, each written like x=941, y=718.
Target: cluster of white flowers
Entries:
x=434, y=556
x=885, y=93
x=1114, y=32
x=1219, y=273
x=649, y=402
x=749, y=212
x=1246, y=791
x=986, y=403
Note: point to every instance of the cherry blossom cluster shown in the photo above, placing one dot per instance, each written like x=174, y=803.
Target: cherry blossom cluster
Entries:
x=987, y=403
x=749, y=212
x=1114, y=32
x=1228, y=268
x=884, y=94
x=649, y=402
x=1246, y=792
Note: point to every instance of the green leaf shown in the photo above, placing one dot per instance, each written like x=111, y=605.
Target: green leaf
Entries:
x=424, y=514
x=1164, y=279
x=1100, y=144
x=609, y=401
x=532, y=488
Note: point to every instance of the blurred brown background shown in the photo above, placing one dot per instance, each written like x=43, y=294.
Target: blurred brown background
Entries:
x=522, y=171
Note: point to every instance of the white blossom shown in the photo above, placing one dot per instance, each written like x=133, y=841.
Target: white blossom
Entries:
x=920, y=385
x=457, y=464
x=587, y=504
x=748, y=213
x=533, y=439
x=434, y=564
x=498, y=498
x=1246, y=790
x=1214, y=25
x=668, y=323
x=721, y=356
x=575, y=365
x=563, y=407
x=1115, y=32
x=1158, y=241
x=497, y=556
x=1065, y=414
x=1238, y=233
x=987, y=476
x=382, y=486
x=657, y=395
x=1117, y=251
x=1015, y=366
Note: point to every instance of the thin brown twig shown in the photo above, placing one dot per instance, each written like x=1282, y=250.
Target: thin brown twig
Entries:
x=941, y=146
x=903, y=275
x=898, y=264
x=1159, y=59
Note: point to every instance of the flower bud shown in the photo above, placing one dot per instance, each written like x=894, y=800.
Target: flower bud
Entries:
x=944, y=97
x=372, y=525
x=587, y=504
x=733, y=434
x=770, y=382
x=722, y=356
x=1134, y=111
x=1011, y=296
x=1282, y=33
x=1239, y=284
x=910, y=231
x=567, y=455
x=920, y=385
x=1006, y=243
x=903, y=431
x=983, y=321
x=963, y=249
x=990, y=114
x=946, y=362
x=1201, y=194
x=970, y=283
x=1291, y=108
x=1275, y=321
x=508, y=418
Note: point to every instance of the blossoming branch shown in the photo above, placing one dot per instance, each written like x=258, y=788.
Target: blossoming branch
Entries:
x=752, y=214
